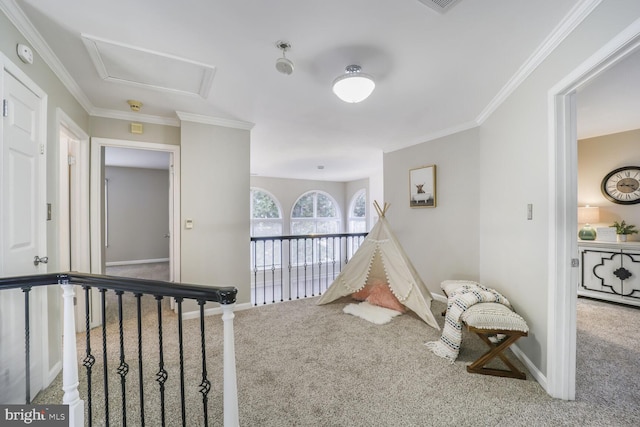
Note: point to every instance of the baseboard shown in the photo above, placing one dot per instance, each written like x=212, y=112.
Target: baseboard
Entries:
x=439, y=297
x=533, y=369
x=53, y=373
x=136, y=261
x=214, y=311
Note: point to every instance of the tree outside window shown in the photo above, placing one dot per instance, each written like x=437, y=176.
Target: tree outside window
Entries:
x=315, y=212
x=358, y=212
x=266, y=220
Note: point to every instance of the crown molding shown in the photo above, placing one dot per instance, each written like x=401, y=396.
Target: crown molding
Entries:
x=435, y=135
x=134, y=117
x=575, y=16
x=217, y=121
x=26, y=28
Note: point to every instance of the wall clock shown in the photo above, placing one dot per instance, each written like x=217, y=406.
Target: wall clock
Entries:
x=622, y=185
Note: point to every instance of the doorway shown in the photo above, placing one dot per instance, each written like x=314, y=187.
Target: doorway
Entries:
x=102, y=211
x=563, y=261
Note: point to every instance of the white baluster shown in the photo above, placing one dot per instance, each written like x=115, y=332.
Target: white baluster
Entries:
x=230, y=386
x=70, y=360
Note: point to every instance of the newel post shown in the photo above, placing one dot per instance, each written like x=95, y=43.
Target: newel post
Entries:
x=69, y=358
x=230, y=385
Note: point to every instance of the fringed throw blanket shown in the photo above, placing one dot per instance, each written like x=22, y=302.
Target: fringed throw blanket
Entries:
x=460, y=299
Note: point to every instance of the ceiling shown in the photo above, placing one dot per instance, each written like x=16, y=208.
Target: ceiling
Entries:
x=436, y=73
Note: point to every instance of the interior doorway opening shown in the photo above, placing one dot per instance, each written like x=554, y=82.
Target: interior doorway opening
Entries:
x=103, y=203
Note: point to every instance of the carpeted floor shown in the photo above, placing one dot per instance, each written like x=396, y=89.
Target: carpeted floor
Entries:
x=300, y=364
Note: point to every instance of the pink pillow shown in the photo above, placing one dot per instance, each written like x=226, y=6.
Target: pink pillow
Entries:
x=382, y=296
x=363, y=293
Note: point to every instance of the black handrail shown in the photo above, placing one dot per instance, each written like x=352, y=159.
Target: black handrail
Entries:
x=222, y=295
x=308, y=236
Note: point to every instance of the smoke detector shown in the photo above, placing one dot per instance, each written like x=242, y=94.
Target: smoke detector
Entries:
x=134, y=105
x=284, y=65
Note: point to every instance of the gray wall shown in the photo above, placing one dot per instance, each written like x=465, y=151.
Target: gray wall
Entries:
x=215, y=195
x=119, y=129
x=442, y=242
x=485, y=179
x=514, y=171
x=138, y=214
x=596, y=158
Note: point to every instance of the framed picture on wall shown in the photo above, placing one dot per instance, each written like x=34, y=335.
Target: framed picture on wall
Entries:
x=422, y=187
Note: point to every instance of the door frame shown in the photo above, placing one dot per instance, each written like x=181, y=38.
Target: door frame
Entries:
x=563, y=195
x=81, y=241
x=97, y=200
x=41, y=306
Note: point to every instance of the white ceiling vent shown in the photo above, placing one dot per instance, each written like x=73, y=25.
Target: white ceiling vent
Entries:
x=120, y=63
x=440, y=5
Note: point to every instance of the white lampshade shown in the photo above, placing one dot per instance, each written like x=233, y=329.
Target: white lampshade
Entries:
x=353, y=86
x=588, y=215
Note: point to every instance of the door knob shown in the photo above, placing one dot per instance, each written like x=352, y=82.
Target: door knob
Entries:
x=37, y=260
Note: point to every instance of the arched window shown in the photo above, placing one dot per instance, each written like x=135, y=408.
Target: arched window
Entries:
x=266, y=220
x=315, y=212
x=266, y=215
x=358, y=212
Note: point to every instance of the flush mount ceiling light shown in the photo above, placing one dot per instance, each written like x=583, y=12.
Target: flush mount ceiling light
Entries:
x=353, y=86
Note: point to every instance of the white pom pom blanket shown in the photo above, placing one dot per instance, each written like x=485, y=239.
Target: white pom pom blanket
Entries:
x=468, y=294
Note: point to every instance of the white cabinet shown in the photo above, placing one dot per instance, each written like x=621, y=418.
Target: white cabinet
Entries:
x=610, y=271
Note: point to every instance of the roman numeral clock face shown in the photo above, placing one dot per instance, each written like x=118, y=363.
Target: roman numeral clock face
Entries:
x=622, y=185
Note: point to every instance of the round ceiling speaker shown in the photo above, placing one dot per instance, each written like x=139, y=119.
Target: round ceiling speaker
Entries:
x=284, y=65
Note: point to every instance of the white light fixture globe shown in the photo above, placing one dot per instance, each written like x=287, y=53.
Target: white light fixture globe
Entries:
x=353, y=86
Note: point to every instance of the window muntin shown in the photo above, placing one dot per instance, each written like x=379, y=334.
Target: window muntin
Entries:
x=358, y=212
x=315, y=212
x=266, y=220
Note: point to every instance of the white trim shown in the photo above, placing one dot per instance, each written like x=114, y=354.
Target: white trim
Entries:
x=97, y=249
x=135, y=117
x=561, y=344
x=41, y=312
x=26, y=28
x=53, y=373
x=91, y=43
x=137, y=261
x=432, y=136
x=216, y=121
x=81, y=246
x=533, y=369
x=188, y=315
x=575, y=16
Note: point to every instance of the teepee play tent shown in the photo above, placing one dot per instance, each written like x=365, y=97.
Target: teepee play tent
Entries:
x=381, y=258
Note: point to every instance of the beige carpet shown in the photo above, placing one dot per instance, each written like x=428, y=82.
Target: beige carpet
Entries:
x=300, y=364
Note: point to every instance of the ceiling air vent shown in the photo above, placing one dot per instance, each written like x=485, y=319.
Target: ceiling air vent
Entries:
x=440, y=5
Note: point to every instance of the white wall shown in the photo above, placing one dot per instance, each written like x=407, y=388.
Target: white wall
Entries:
x=442, y=242
x=596, y=158
x=215, y=195
x=514, y=171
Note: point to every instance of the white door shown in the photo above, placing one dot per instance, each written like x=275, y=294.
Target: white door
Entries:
x=23, y=216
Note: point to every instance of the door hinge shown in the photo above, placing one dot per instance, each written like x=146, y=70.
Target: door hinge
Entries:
x=5, y=108
x=71, y=160
x=575, y=262
x=41, y=148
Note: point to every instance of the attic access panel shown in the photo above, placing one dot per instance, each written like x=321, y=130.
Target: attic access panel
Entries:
x=125, y=64
x=440, y=5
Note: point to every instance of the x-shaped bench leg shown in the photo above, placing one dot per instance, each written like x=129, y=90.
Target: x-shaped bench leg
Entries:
x=477, y=367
